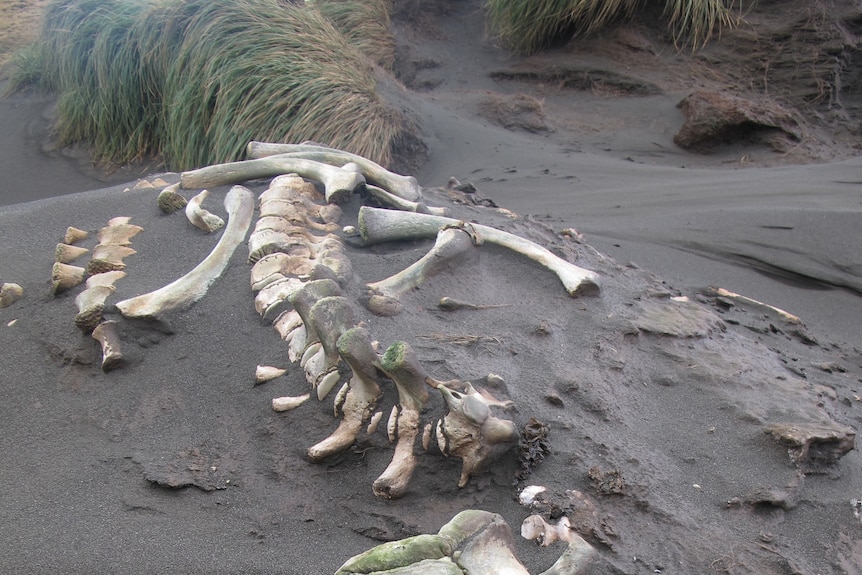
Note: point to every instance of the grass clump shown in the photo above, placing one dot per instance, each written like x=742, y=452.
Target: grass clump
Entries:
x=527, y=26
x=192, y=81
x=366, y=24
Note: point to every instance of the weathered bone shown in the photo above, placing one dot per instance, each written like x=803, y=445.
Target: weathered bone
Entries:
x=402, y=366
x=66, y=253
x=403, y=186
x=489, y=550
x=91, y=304
x=451, y=304
x=276, y=215
x=74, y=235
x=108, y=258
x=201, y=218
x=170, y=200
x=65, y=276
x=105, y=278
x=286, y=323
x=287, y=239
x=338, y=184
x=10, y=293
x=400, y=203
x=188, y=289
x=471, y=432
x=355, y=347
x=329, y=317
x=383, y=297
x=264, y=373
x=120, y=235
x=272, y=300
x=578, y=556
x=288, y=402
x=106, y=334
x=379, y=225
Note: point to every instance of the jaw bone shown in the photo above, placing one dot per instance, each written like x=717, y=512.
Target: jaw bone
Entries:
x=383, y=296
x=188, y=289
x=377, y=225
x=403, y=186
x=338, y=184
x=400, y=363
x=201, y=218
x=355, y=347
x=470, y=431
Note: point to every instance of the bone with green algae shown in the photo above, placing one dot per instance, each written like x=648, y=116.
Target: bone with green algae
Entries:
x=338, y=184
x=170, y=200
x=401, y=364
x=405, y=187
x=379, y=225
x=200, y=217
x=383, y=297
x=395, y=554
x=356, y=348
x=186, y=290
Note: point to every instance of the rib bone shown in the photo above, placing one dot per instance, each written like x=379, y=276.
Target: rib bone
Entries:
x=338, y=184
x=383, y=296
x=188, y=289
x=378, y=225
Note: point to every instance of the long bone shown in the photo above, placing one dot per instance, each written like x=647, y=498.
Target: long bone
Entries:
x=383, y=297
x=329, y=317
x=356, y=348
x=379, y=225
x=400, y=203
x=338, y=184
x=200, y=217
x=239, y=203
x=403, y=186
x=400, y=363
x=470, y=432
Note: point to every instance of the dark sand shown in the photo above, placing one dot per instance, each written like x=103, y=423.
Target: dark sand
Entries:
x=83, y=452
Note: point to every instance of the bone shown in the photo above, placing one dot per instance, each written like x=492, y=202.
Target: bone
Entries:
x=287, y=403
x=278, y=215
x=403, y=186
x=374, y=422
x=338, y=184
x=91, y=304
x=472, y=433
x=383, y=297
x=297, y=340
x=400, y=363
x=363, y=392
x=10, y=293
x=188, y=289
x=65, y=276
x=273, y=300
x=170, y=200
x=105, y=278
x=66, y=253
x=400, y=203
x=451, y=304
x=721, y=292
x=287, y=239
x=378, y=225
x=200, y=217
x=108, y=257
x=329, y=317
x=418, y=555
x=285, y=323
x=264, y=373
x=489, y=550
x=74, y=235
x=106, y=334
x=578, y=556
x=119, y=235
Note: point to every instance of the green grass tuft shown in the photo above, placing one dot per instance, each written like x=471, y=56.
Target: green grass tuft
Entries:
x=366, y=24
x=194, y=80
x=527, y=26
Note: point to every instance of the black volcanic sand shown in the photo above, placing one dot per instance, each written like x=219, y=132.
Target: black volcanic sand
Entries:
x=175, y=463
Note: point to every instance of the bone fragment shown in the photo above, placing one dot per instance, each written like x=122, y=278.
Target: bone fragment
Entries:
x=91, y=304
x=105, y=278
x=356, y=349
x=170, y=200
x=452, y=304
x=66, y=253
x=287, y=403
x=374, y=422
x=472, y=433
x=403, y=186
x=120, y=235
x=392, y=425
x=74, y=235
x=377, y=225
x=426, y=436
x=10, y=293
x=108, y=257
x=264, y=373
x=400, y=203
x=65, y=276
x=383, y=297
x=721, y=292
x=577, y=557
x=200, y=217
x=106, y=334
x=402, y=366
x=338, y=184
x=188, y=289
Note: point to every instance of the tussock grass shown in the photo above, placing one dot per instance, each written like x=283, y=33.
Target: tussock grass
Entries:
x=366, y=24
x=194, y=80
x=527, y=26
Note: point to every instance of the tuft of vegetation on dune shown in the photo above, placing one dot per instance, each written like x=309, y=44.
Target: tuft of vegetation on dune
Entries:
x=527, y=26
x=194, y=80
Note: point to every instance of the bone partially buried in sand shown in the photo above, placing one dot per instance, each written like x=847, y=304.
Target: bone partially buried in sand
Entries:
x=10, y=293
